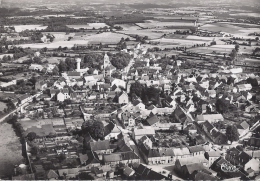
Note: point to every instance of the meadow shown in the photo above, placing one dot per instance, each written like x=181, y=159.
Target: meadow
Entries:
x=10, y=149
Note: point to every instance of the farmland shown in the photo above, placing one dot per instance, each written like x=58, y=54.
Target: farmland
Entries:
x=20, y=28
x=89, y=26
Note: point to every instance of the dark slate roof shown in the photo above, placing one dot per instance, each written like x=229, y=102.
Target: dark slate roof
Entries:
x=193, y=167
x=129, y=155
x=199, y=175
x=152, y=120
x=70, y=73
x=99, y=145
x=197, y=148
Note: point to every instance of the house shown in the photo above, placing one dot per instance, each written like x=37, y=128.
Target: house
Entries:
x=24, y=98
x=52, y=175
x=128, y=172
x=70, y=173
x=200, y=161
x=152, y=121
x=243, y=128
x=253, y=164
x=100, y=147
x=63, y=95
x=181, y=153
x=181, y=116
x=73, y=75
x=40, y=85
x=237, y=157
x=151, y=156
x=124, y=157
x=211, y=118
x=214, y=134
x=187, y=170
x=202, y=175
x=220, y=166
x=89, y=159
x=244, y=87
x=145, y=173
x=112, y=159
x=123, y=98
x=147, y=141
x=212, y=156
x=138, y=104
x=139, y=133
x=36, y=67
x=119, y=83
x=196, y=150
x=111, y=131
x=127, y=119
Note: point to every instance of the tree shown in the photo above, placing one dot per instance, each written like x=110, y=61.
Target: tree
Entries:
x=94, y=128
x=31, y=136
x=174, y=128
x=237, y=47
x=85, y=176
x=120, y=60
x=232, y=133
x=55, y=71
x=136, y=88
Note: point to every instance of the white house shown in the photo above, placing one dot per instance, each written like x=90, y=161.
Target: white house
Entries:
x=119, y=83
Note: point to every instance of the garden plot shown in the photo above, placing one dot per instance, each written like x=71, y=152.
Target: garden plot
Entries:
x=89, y=26
x=20, y=28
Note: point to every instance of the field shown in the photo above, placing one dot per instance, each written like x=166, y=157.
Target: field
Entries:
x=61, y=39
x=180, y=42
x=54, y=60
x=256, y=15
x=19, y=28
x=158, y=24
x=10, y=149
x=53, y=45
x=152, y=34
x=221, y=49
x=89, y=26
x=235, y=29
x=128, y=27
x=2, y=106
x=107, y=37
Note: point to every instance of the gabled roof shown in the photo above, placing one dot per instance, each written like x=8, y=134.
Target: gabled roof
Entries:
x=111, y=128
x=112, y=157
x=243, y=125
x=200, y=175
x=152, y=120
x=99, y=145
x=213, y=154
x=52, y=174
x=71, y=73
x=193, y=167
x=197, y=148
x=129, y=155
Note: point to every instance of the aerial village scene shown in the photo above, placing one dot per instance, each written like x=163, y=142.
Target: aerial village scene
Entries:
x=129, y=90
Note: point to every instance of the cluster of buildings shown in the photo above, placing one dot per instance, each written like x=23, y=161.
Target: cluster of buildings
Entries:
x=181, y=129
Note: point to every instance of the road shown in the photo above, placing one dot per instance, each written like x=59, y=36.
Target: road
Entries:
x=19, y=107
